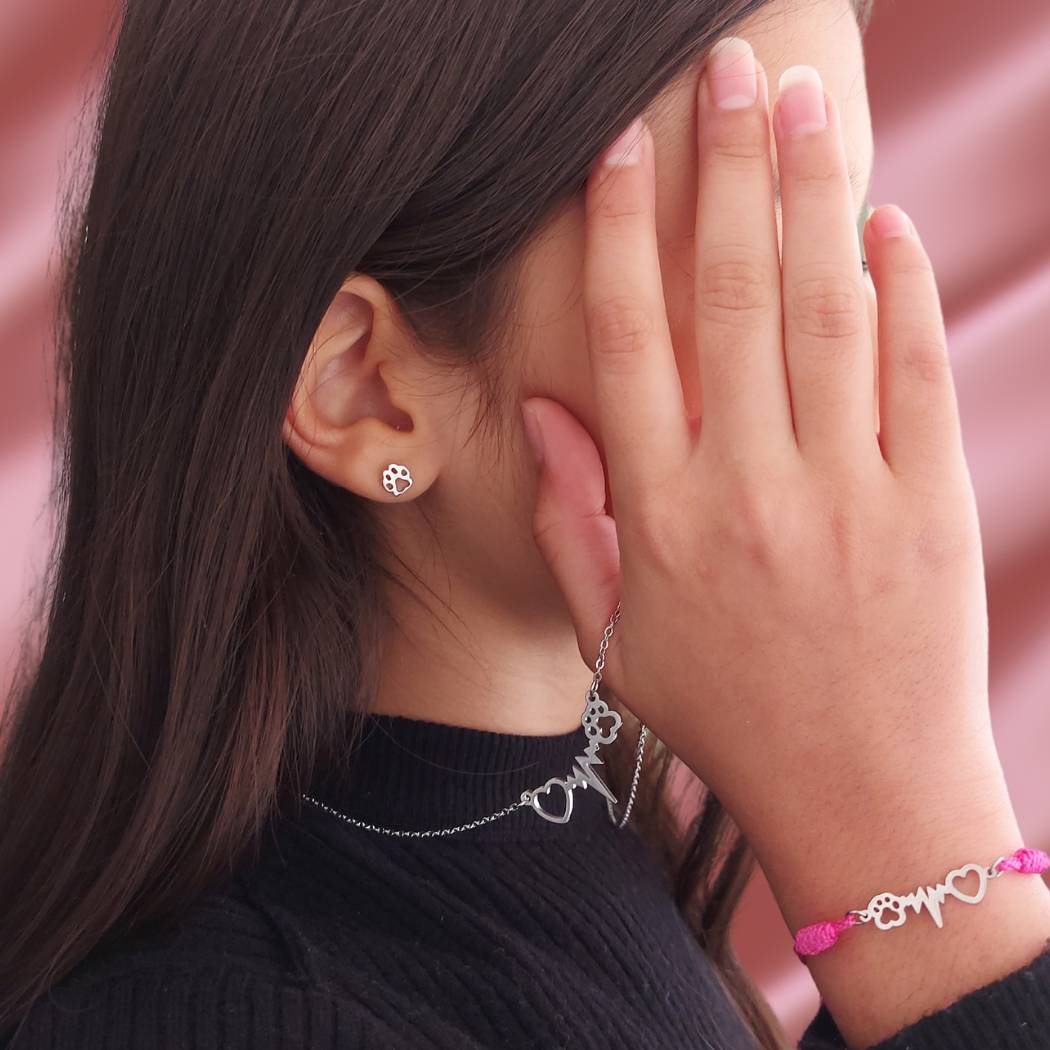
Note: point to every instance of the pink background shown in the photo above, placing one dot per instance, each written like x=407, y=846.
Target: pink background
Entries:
x=961, y=99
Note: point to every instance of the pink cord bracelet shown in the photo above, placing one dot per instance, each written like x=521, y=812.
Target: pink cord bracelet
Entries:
x=886, y=910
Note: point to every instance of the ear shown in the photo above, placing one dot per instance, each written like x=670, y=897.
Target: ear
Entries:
x=359, y=408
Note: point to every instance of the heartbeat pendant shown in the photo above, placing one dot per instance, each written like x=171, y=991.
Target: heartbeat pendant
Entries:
x=582, y=775
x=886, y=910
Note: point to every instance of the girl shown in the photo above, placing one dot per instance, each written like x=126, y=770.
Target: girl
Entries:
x=354, y=725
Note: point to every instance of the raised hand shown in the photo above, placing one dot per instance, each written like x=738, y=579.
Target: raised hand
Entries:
x=803, y=601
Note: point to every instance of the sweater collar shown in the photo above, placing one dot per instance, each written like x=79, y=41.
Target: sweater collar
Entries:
x=415, y=774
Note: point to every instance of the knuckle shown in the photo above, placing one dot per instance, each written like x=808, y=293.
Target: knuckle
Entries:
x=545, y=529
x=914, y=266
x=731, y=287
x=616, y=202
x=617, y=208
x=816, y=178
x=618, y=325
x=828, y=306
x=925, y=357
x=735, y=149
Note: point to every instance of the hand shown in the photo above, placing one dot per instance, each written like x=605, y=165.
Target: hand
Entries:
x=803, y=597
x=803, y=601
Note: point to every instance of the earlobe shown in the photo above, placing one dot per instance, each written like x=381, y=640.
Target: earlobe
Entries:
x=366, y=456
x=348, y=419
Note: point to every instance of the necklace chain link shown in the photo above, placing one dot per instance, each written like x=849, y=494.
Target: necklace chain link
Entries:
x=595, y=708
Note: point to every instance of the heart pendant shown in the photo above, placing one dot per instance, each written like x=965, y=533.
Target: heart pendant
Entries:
x=545, y=790
x=961, y=875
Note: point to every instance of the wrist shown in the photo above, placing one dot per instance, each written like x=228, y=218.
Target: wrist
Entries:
x=832, y=848
x=876, y=981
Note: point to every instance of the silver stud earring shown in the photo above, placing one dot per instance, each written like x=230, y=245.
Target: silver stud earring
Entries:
x=392, y=475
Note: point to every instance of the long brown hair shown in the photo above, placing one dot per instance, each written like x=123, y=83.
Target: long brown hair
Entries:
x=211, y=605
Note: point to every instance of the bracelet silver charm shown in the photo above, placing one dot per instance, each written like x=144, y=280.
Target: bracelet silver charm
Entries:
x=886, y=910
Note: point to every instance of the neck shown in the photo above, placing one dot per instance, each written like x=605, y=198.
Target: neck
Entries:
x=507, y=668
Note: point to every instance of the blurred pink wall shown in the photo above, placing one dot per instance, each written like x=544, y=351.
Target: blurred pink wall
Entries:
x=961, y=99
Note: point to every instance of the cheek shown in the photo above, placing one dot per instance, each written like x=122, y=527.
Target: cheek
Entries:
x=549, y=334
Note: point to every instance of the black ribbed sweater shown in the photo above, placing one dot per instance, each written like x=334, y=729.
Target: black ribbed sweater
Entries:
x=520, y=933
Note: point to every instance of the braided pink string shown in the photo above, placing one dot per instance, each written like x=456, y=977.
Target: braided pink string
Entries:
x=1026, y=861
x=814, y=939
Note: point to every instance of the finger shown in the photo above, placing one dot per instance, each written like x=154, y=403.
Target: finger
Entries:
x=641, y=410
x=745, y=404
x=921, y=431
x=827, y=331
x=576, y=537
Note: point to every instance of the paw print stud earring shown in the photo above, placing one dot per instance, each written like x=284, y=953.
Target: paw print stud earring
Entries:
x=392, y=475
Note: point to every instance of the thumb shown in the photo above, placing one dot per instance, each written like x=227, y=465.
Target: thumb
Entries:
x=572, y=529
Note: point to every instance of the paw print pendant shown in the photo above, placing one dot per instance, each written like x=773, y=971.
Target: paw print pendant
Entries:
x=397, y=473
x=887, y=909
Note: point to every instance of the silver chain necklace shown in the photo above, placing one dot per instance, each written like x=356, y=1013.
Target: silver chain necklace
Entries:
x=581, y=775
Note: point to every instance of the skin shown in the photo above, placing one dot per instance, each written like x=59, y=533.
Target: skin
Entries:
x=807, y=630
x=495, y=623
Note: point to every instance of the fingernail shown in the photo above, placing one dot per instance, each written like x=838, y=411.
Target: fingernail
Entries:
x=891, y=221
x=533, y=431
x=801, y=101
x=732, y=74
x=627, y=147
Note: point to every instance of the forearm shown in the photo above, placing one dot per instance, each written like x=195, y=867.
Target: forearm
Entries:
x=875, y=982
